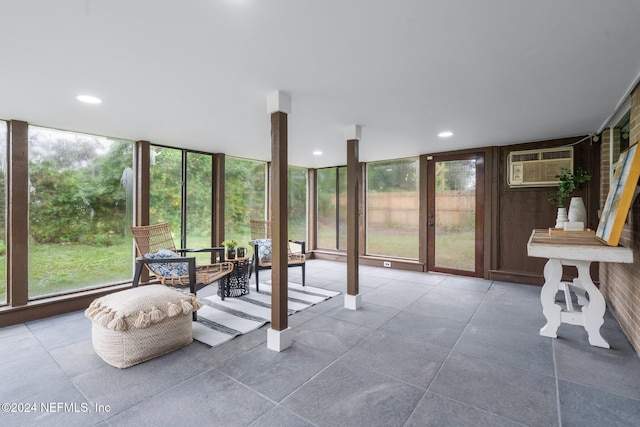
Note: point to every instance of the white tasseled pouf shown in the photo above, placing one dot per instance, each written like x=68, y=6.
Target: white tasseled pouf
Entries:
x=138, y=324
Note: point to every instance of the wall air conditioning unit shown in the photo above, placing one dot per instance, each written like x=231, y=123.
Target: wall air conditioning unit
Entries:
x=538, y=168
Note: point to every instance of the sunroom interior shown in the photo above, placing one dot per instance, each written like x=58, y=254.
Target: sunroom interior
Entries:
x=195, y=150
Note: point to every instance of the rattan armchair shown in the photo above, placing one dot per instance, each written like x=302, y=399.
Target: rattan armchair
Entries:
x=153, y=243
x=261, y=231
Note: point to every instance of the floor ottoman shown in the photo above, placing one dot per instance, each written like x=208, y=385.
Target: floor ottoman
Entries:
x=138, y=324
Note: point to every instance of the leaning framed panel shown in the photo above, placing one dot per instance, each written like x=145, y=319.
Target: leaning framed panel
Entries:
x=623, y=187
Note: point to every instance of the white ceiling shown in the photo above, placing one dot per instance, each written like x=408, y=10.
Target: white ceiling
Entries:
x=196, y=73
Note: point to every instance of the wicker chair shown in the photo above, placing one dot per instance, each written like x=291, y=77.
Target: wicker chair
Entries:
x=157, y=239
x=261, y=230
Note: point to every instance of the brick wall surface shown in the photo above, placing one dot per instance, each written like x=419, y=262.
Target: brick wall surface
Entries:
x=620, y=283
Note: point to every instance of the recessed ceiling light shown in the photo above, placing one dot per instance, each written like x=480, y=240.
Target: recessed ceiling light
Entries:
x=317, y=153
x=445, y=134
x=89, y=99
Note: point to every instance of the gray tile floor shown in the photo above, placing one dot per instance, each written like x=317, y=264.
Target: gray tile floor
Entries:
x=424, y=350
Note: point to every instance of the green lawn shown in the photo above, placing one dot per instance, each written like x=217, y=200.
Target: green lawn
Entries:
x=59, y=268
x=56, y=268
x=393, y=243
x=456, y=250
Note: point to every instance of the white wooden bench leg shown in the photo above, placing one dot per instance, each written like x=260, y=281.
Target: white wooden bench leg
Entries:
x=594, y=311
x=551, y=310
x=579, y=290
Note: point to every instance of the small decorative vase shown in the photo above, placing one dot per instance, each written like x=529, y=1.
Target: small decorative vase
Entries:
x=240, y=252
x=562, y=218
x=577, y=210
x=231, y=254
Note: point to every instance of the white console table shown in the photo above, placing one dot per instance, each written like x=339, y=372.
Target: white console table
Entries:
x=580, y=252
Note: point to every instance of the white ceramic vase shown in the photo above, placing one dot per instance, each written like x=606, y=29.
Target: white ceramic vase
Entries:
x=577, y=210
x=562, y=217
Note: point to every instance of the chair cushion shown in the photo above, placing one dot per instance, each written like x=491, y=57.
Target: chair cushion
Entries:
x=264, y=249
x=168, y=268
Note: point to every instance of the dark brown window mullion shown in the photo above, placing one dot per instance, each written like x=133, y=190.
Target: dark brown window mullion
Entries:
x=18, y=214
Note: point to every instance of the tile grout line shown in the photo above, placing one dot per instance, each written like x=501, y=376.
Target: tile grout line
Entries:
x=557, y=356
x=447, y=358
x=492, y=414
x=451, y=351
x=555, y=372
x=458, y=340
x=343, y=355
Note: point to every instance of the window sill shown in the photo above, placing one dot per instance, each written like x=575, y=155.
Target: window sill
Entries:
x=54, y=305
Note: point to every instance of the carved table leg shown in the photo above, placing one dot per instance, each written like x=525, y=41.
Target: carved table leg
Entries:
x=594, y=311
x=580, y=292
x=551, y=310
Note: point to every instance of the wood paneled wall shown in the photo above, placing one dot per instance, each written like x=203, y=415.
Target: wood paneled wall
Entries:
x=520, y=210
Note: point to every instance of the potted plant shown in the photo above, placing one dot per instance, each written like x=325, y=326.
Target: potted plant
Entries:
x=568, y=183
x=230, y=245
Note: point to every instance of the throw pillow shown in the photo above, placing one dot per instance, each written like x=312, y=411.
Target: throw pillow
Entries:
x=264, y=249
x=167, y=268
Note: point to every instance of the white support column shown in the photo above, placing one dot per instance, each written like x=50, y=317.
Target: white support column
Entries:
x=352, y=302
x=352, y=132
x=279, y=340
x=279, y=101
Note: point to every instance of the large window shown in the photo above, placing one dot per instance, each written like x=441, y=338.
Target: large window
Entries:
x=165, y=200
x=166, y=196
x=3, y=243
x=244, y=197
x=332, y=208
x=199, y=203
x=297, y=203
x=80, y=210
x=342, y=208
x=393, y=208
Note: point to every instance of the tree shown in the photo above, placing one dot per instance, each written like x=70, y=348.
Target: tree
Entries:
x=394, y=175
x=455, y=175
x=245, y=182
x=76, y=187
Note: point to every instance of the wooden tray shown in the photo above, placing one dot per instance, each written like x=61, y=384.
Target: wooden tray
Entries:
x=559, y=232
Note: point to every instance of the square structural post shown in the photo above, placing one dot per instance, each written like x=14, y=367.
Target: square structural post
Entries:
x=279, y=335
x=352, y=297
x=352, y=302
x=279, y=340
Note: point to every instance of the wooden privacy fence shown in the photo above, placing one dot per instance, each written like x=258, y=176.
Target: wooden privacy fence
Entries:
x=455, y=208
x=391, y=209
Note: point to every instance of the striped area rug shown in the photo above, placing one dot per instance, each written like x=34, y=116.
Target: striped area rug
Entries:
x=220, y=321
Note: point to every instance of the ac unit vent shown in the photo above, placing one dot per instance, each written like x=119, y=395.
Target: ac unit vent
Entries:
x=538, y=168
